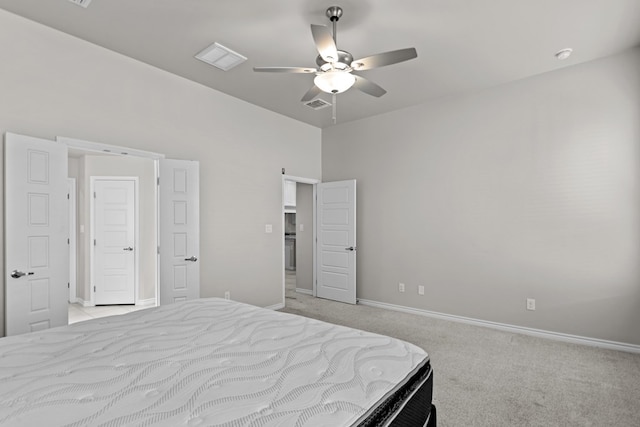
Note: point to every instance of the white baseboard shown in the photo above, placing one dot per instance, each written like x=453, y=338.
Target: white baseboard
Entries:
x=304, y=291
x=575, y=339
x=84, y=303
x=275, y=306
x=149, y=302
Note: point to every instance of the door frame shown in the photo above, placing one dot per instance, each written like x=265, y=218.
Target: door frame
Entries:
x=301, y=180
x=136, y=233
x=98, y=147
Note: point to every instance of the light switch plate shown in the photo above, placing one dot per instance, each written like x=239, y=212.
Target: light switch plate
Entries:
x=268, y=228
x=301, y=227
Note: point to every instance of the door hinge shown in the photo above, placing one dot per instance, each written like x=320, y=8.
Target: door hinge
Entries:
x=67, y=196
x=158, y=250
x=68, y=285
x=68, y=242
x=158, y=181
x=94, y=194
x=94, y=242
x=94, y=289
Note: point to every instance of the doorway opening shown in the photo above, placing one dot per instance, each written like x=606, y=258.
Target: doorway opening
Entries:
x=134, y=271
x=298, y=225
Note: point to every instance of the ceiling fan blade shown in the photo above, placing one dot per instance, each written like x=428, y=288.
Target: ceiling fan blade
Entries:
x=324, y=43
x=382, y=59
x=368, y=87
x=311, y=93
x=284, y=70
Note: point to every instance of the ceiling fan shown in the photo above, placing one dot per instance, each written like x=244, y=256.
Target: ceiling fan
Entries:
x=335, y=67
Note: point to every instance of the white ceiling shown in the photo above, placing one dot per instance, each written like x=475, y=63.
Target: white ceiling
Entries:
x=463, y=45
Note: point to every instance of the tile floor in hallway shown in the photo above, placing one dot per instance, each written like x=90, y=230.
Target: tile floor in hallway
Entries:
x=78, y=313
x=290, y=284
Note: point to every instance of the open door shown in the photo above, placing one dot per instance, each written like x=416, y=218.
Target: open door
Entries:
x=336, y=247
x=36, y=252
x=179, y=230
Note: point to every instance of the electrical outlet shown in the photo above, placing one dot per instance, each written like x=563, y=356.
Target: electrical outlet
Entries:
x=268, y=228
x=227, y=295
x=400, y=287
x=531, y=304
x=420, y=290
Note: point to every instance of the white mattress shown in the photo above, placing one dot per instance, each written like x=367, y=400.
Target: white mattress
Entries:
x=202, y=362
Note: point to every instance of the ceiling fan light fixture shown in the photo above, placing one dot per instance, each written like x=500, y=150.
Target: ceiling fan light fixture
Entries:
x=334, y=81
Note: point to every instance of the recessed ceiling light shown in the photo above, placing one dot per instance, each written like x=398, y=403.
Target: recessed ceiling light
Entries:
x=221, y=57
x=564, y=53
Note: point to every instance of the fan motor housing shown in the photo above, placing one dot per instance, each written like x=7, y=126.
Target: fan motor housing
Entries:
x=344, y=61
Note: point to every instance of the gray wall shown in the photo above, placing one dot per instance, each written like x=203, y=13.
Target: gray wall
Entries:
x=304, y=239
x=55, y=85
x=527, y=190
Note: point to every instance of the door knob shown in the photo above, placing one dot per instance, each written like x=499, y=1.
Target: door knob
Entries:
x=192, y=259
x=18, y=274
x=350, y=248
x=128, y=249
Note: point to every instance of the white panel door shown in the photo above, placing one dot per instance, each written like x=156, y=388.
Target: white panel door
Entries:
x=179, y=230
x=36, y=252
x=336, y=264
x=71, y=191
x=114, y=242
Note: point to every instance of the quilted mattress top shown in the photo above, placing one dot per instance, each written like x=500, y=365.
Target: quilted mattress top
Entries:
x=202, y=362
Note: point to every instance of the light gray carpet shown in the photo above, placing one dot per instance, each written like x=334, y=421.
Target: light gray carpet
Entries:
x=485, y=377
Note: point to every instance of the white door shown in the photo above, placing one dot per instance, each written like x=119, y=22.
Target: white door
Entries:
x=73, y=255
x=179, y=230
x=336, y=247
x=36, y=253
x=114, y=241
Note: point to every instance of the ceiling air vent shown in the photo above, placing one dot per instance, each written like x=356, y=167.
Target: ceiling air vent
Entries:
x=83, y=3
x=317, y=104
x=221, y=57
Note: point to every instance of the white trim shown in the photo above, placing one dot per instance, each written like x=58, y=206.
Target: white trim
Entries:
x=314, y=280
x=299, y=179
x=304, y=291
x=98, y=147
x=84, y=303
x=156, y=193
x=574, y=339
x=275, y=306
x=149, y=302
